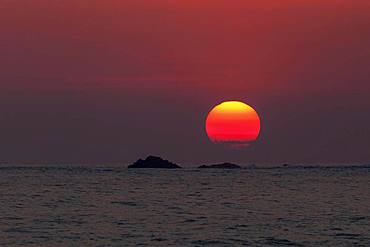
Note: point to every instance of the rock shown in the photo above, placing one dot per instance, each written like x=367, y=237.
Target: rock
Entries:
x=221, y=166
x=154, y=162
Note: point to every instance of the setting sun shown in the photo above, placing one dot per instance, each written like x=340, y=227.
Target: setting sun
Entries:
x=233, y=122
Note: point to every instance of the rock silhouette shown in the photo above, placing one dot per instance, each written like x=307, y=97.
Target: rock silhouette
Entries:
x=220, y=166
x=154, y=162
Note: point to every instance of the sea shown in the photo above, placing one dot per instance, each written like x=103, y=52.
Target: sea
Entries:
x=116, y=206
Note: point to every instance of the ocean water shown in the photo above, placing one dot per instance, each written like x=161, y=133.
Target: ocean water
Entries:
x=81, y=206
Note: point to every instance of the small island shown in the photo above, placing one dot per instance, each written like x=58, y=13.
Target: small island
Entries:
x=220, y=166
x=154, y=162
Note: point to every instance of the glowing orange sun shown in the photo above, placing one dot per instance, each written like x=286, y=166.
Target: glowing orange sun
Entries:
x=233, y=122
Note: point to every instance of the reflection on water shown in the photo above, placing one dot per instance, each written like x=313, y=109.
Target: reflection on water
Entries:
x=120, y=207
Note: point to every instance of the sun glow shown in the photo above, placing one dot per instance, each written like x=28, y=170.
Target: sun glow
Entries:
x=233, y=122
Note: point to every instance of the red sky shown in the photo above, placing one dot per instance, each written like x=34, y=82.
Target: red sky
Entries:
x=112, y=80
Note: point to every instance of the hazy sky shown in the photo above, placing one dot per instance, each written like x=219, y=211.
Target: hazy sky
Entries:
x=115, y=80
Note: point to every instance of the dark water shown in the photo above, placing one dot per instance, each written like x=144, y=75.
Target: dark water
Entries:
x=120, y=207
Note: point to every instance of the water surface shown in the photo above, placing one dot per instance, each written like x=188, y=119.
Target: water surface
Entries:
x=82, y=206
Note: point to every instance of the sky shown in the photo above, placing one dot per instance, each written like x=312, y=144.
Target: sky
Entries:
x=88, y=81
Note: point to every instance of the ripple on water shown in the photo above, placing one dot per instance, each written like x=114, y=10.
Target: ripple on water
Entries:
x=131, y=204
x=272, y=241
x=116, y=207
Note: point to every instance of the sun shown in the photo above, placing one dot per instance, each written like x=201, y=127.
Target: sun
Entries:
x=233, y=122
